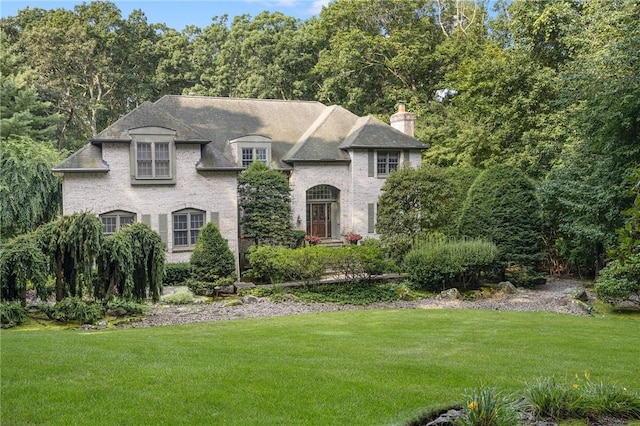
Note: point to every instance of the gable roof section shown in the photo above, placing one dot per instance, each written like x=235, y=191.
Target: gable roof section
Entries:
x=148, y=115
x=369, y=132
x=86, y=159
x=321, y=142
x=298, y=130
x=225, y=119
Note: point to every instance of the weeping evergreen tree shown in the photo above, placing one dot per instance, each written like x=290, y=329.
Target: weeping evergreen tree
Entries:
x=72, y=243
x=22, y=261
x=115, y=267
x=30, y=194
x=144, y=275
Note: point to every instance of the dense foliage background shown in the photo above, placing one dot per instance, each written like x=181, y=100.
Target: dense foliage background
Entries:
x=551, y=88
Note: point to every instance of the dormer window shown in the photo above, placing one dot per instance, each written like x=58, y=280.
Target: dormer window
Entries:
x=153, y=160
x=250, y=155
x=153, y=156
x=252, y=148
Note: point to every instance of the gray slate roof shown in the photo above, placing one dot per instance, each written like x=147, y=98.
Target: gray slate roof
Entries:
x=299, y=130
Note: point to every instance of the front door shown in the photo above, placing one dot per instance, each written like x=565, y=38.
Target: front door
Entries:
x=319, y=219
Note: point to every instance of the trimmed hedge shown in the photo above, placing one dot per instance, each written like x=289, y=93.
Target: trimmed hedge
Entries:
x=276, y=264
x=439, y=264
x=177, y=273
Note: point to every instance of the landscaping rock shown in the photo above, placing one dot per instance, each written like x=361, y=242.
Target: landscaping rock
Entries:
x=447, y=419
x=288, y=298
x=579, y=294
x=506, y=287
x=580, y=305
x=450, y=294
x=250, y=299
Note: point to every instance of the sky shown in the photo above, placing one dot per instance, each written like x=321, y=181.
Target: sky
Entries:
x=179, y=14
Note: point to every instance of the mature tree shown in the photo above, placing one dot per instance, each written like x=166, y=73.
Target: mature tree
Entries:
x=502, y=111
x=22, y=111
x=265, y=204
x=585, y=192
x=413, y=203
x=30, y=194
x=502, y=207
x=264, y=57
x=377, y=53
x=91, y=64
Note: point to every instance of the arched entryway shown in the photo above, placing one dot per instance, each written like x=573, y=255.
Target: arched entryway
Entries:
x=323, y=216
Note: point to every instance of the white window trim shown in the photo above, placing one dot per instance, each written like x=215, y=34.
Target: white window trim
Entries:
x=118, y=215
x=386, y=153
x=153, y=136
x=188, y=212
x=252, y=142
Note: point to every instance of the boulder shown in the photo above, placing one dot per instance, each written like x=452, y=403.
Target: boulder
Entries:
x=450, y=294
x=447, y=419
x=250, y=299
x=288, y=297
x=579, y=294
x=506, y=287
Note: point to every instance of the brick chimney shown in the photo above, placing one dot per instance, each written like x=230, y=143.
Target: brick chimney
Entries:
x=403, y=120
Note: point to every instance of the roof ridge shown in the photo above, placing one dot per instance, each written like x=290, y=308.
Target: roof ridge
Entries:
x=322, y=118
x=229, y=98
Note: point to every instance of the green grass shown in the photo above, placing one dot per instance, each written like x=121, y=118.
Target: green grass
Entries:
x=359, y=368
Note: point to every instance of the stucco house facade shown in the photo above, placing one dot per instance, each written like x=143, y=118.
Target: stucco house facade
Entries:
x=174, y=164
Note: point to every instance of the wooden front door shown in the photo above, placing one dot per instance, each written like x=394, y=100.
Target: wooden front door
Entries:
x=319, y=219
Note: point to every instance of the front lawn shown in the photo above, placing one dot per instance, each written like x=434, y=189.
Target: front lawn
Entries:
x=372, y=367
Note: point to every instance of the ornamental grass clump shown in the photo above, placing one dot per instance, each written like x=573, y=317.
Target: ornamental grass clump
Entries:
x=579, y=397
x=489, y=407
x=182, y=296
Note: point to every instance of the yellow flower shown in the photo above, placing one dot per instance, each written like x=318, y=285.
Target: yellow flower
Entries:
x=473, y=405
x=586, y=374
x=575, y=386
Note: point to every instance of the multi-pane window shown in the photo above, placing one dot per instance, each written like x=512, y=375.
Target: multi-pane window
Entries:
x=387, y=162
x=249, y=155
x=186, y=227
x=153, y=160
x=113, y=221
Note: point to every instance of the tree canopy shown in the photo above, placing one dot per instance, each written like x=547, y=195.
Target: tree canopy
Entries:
x=550, y=88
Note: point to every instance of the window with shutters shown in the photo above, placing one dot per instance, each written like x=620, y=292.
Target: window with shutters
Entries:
x=186, y=227
x=115, y=220
x=387, y=162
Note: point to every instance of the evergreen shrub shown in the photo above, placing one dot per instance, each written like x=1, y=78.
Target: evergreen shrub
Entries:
x=619, y=281
x=176, y=273
x=75, y=309
x=502, y=207
x=12, y=314
x=211, y=258
x=441, y=264
x=206, y=288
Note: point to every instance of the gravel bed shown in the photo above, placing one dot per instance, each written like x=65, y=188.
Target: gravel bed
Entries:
x=551, y=297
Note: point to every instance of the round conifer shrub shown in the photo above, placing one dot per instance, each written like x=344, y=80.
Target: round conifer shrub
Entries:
x=211, y=258
x=502, y=207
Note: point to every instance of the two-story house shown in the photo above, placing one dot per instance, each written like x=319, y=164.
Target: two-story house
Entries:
x=174, y=164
